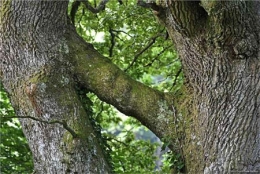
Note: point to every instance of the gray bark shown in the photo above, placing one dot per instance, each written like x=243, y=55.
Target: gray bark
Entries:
x=218, y=43
x=216, y=119
x=36, y=74
x=43, y=60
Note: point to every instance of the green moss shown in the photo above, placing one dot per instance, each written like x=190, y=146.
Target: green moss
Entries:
x=185, y=131
x=68, y=141
x=5, y=8
x=208, y=5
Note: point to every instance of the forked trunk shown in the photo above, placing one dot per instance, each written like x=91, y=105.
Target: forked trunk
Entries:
x=218, y=43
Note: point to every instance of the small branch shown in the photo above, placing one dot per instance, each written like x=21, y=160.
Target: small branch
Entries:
x=99, y=8
x=112, y=42
x=151, y=5
x=142, y=51
x=114, y=139
x=121, y=31
x=120, y=2
x=62, y=122
x=111, y=140
x=101, y=110
x=74, y=8
x=176, y=76
x=158, y=55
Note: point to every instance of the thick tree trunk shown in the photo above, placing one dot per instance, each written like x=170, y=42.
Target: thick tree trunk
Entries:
x=219, y=47
x=42, y=60
x=35, y=71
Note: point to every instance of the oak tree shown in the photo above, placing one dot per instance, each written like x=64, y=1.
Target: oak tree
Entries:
x=212, y=120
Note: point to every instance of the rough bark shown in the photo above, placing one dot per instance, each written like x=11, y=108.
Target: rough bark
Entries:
x=35, y=72
x=218, y=42
x=216, y=126
x=99, y=75
x=42, y=61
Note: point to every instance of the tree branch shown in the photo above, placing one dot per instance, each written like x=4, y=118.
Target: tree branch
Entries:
x=121, y=142
x=63, y=123
x=112, y=42
x=121, y=31
x=158, y=55
x=176, y=77
x=74, y=8
x=99, y=8
x=99, y=75
x=151, y=5
x=153, y=39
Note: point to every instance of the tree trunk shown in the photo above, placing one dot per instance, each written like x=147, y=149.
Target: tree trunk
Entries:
x=37, y=75
x=43, y=60
x=218, y=43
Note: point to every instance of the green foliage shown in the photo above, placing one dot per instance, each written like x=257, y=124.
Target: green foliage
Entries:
x=131, y=37
x=130, y=151
x=131, y=155
x=174, y=161
x=15, y=155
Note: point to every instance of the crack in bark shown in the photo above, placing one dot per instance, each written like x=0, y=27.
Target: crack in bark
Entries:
x=63, y=123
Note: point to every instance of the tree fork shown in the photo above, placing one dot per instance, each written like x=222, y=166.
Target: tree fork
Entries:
x=218, y=43
x=112, y=85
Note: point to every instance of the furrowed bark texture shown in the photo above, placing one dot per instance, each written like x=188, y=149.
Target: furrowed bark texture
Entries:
x=99, y=75
x=35, y=72
x=218, y=43
x=42, y=60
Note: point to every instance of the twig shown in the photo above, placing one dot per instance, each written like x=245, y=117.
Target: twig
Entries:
x=151, y=5
x=112, y=42
x=121, y=31
x=114, y=139
x=74, y=8
x=63, y=123
x=102, y=109
x=143, y=50
x=158, y=55
x=99, y=8
x=176, y=76
x=110, y=139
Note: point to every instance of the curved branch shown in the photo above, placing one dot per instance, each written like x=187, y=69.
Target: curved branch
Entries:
x=99, y=8
x=74, y=8
x=176, y=77
x=153, y=39
x=121, y=31
x=158, y=55
x=62, y=122
x=151, y=5
x=112, y=41
x=99, y=75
